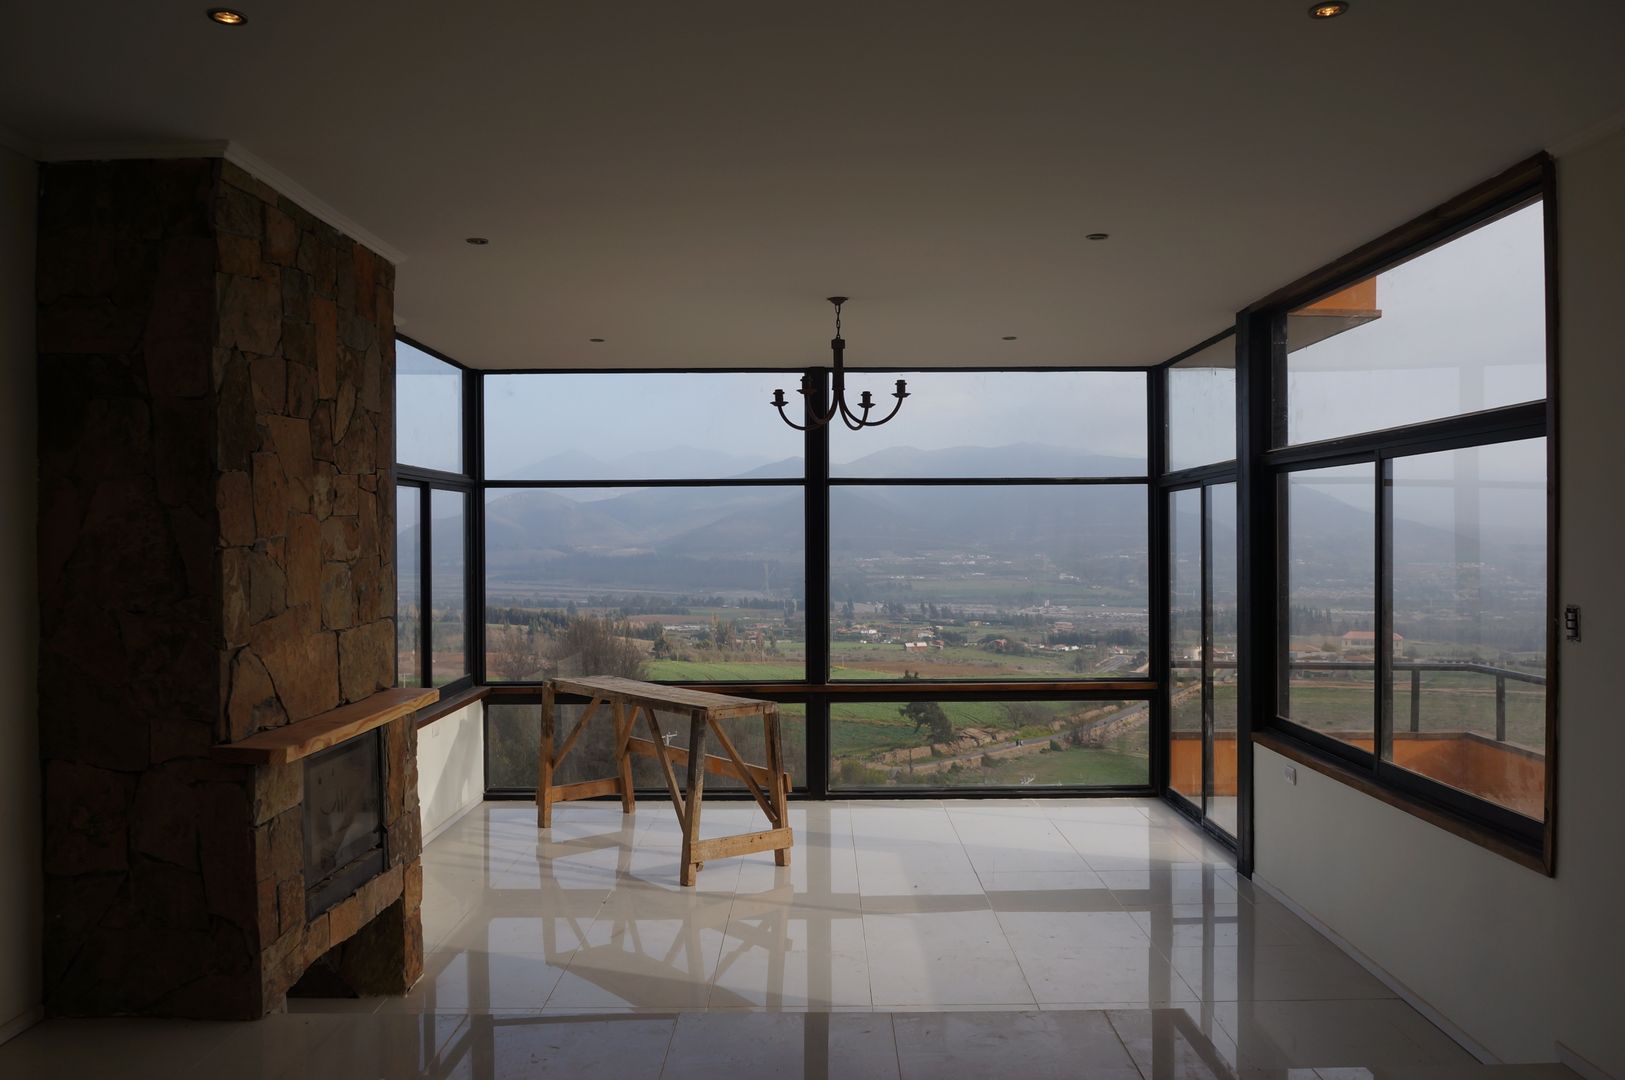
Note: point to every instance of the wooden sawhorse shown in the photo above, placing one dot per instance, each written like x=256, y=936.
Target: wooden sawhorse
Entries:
x=768, y=784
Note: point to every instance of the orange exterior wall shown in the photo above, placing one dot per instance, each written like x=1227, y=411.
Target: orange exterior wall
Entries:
x=1505, y=775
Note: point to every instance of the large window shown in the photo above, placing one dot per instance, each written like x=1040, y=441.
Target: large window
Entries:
x=433, y=525
x=1200, y=627
x=592, y=570
x=1409, y=468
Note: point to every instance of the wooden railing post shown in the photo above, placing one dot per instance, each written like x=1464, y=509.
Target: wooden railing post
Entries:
x=1500, y=708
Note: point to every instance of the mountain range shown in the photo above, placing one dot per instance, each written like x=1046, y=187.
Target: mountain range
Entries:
x=1079, y=527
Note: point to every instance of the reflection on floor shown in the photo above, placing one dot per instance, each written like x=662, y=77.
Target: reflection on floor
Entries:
x=908, y=939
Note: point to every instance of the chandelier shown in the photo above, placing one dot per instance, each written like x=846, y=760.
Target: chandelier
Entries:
x=857, y=419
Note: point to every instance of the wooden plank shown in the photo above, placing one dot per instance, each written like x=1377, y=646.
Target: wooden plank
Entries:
x=775, y=768
x=575, y=732
x=716, y=766
x=544, y=761
x=723, y=846
x=624, y=722
x=305, y=737
x=694, y=798
x=583, y=789
x=661, y=753
x=655, y=696
x=743, y=771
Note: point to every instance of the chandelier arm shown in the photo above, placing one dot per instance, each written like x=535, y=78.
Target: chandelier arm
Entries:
x=786, y=418
x=859, y=421
x=888, y=416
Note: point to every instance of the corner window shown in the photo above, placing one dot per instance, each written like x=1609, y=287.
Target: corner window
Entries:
x=1411, y=480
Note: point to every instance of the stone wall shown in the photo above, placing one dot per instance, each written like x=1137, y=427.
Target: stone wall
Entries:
x=216, y=558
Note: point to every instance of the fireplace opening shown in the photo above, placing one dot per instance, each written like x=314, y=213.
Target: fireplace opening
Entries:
x=343, y=819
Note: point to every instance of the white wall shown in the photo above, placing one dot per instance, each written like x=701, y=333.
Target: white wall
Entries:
x=1591, y=764
x=451, y=766
x=19, y=718
x=1518, y=961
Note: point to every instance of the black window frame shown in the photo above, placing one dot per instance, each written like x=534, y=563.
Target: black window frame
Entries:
x=1267, y=457
x=1168, y=482
x=425, y=482
x=816, y=689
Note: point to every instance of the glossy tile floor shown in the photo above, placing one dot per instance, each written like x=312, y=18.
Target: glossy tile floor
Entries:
x=908, y=939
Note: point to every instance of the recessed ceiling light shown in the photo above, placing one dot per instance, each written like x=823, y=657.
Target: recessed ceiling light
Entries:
x=227, y=16
x=1328, y=9
x=596, y=340
x=1097, y=236
x=477, y=241
x=1008, y=337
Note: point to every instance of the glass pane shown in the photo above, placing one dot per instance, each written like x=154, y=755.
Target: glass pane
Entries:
x=702, y=584
x=997, y=582
x=449, y=585
x=513, y=731
x=1221, y=800
x=1330, y=570
x=1185, y=643
x=1455, y=330
x=408, y=586
x=999, y=423
x=962, y=744
x=1202, y=407
x=619, y=426
x=1469, y=696
x=428, y=411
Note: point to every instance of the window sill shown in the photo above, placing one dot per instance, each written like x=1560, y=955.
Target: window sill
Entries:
x=450, y=704
x=1539, y=860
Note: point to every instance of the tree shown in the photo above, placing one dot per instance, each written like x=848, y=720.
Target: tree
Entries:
x=929, y=715
x=515, y=653
x=601, y=646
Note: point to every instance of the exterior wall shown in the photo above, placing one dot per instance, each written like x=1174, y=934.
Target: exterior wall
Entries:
x=1518, y=961
x=451, y=766
x=20, y=876
x=215, y=558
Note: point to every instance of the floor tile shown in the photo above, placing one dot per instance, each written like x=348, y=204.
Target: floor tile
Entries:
x=785, y=1046
x=1030, y=1045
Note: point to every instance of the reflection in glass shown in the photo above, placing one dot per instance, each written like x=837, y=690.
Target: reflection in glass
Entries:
x=989, y=744
x=408, y=587
x=1469, y=555
x=428, y=411
x=1185, y=643
x=1455, y=330
x=1001, y=423
x=697, y=584
x=1202, y=407
x=448, y=605
x=619, y=426
x=1330, y=568
x=994, y=582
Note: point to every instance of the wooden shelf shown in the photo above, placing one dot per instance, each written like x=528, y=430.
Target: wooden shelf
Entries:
x=300, y=740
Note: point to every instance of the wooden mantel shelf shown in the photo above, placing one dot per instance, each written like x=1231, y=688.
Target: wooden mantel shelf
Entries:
x=306, y=737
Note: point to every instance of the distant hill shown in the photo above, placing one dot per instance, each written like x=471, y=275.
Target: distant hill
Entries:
x=681, y=529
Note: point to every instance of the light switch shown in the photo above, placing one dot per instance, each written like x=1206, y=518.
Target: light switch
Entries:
x=1291, y=774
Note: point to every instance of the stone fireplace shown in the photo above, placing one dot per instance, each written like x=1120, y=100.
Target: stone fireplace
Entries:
x=230, y=779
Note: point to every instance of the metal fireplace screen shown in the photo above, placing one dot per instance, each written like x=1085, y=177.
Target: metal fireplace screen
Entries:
x=343, y=812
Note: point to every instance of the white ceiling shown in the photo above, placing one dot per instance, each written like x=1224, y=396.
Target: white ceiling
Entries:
x=689, y=180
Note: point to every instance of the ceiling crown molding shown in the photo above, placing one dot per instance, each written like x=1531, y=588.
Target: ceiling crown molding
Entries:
x=237, y=155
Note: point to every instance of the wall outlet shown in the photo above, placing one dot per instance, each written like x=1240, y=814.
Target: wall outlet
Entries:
x=1291, y=772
